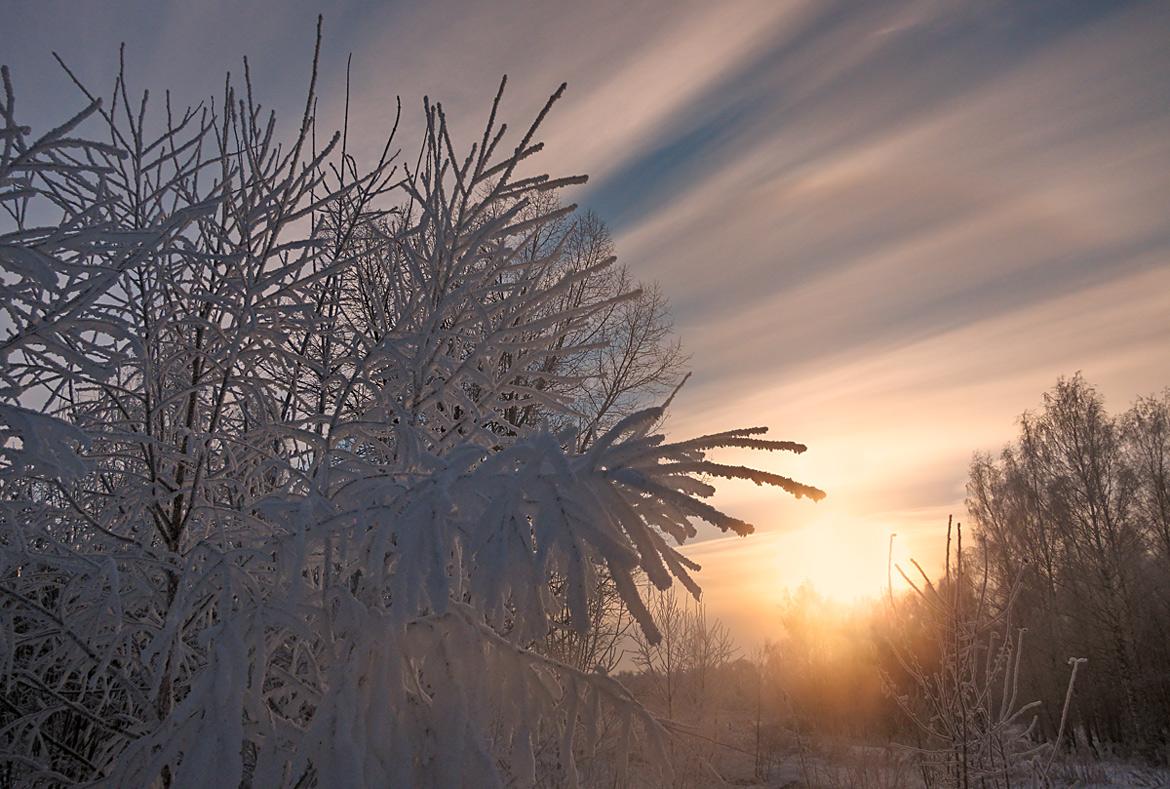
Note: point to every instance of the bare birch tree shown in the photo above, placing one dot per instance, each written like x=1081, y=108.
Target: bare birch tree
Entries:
x=1076, y=500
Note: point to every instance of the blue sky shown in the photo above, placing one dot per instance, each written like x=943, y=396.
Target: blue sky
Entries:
x=886, y=228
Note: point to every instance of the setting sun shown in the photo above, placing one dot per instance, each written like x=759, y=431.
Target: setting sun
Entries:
x=746, y=581
x=843, y=559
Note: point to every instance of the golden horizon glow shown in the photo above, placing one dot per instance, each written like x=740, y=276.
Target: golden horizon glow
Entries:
x=746, y=581
x=844, y=560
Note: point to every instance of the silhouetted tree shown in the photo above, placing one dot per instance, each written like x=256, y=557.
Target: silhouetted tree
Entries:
x=1078, y=499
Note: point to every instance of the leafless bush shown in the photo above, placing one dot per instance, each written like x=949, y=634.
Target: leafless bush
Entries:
x=966, y=702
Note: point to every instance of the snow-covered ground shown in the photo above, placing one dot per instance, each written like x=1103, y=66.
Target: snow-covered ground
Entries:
x=821, y=762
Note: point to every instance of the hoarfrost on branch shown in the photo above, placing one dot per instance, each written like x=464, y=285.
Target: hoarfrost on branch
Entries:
x=291, y=452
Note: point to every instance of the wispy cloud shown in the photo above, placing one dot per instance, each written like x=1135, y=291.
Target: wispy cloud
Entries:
x=895, y=287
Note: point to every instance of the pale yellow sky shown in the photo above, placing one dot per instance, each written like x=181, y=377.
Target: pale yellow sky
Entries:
x=891, y=434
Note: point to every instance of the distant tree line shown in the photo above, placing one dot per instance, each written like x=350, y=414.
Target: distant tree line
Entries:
x=1079, y=508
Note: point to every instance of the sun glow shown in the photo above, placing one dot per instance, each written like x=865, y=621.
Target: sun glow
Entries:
x=747, y=582
x=844, y=559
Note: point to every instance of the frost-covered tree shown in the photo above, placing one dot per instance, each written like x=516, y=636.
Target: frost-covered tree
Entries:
x=268, y=513
x=1080, y=500
x=962, y=692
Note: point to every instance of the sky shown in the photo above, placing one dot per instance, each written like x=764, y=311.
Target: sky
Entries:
x=885, y=228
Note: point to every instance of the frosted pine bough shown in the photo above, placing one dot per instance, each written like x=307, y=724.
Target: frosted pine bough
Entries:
x=276, y=522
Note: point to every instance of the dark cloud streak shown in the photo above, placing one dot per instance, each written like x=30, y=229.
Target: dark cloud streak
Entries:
x=916, y=65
